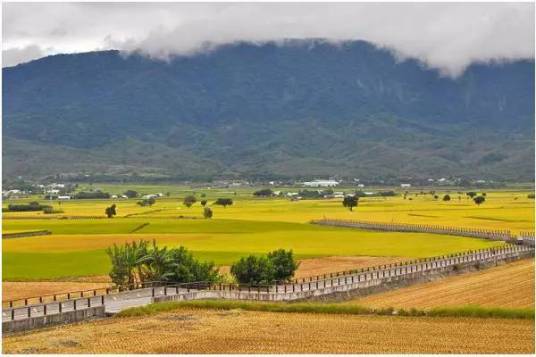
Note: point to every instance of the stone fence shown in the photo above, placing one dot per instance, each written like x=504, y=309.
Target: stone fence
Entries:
x=503, y=235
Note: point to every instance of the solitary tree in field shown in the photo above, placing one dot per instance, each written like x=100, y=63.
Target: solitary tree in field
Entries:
x=189, y=201
x=203, y=203
x=479, y=200
x=207, y=213
x=350, y=202
x=110, y=211
x=224, y=202
x=446, y=198
x=436, y=197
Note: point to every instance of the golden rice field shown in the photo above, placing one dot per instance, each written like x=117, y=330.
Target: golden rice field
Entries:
x=77, y=246
x=238, y=331
x=508, y=285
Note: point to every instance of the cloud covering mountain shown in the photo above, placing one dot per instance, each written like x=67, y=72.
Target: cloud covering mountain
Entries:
x=448, y=37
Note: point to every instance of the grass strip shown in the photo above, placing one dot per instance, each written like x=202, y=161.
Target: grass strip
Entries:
x=320, y=308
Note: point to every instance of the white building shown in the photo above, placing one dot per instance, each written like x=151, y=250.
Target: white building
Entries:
x=64, y=197
x=405, y=185
x=321, y=183
x=150, y=196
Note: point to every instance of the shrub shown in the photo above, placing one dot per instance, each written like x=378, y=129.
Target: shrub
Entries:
x=189, y=201
x=479, y=200
x=207, y=213
x=224, y=202
x=32, y=206
x=91, y=195
x=471, y=194
x=446, y=198
x=264, y=193
x=530, y=195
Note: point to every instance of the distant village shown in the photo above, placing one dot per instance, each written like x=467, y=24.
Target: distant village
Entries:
x=316, y=188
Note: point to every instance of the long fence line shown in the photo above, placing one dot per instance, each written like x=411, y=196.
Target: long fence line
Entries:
x=25, y=234
x=374, y=276
x=503, y=235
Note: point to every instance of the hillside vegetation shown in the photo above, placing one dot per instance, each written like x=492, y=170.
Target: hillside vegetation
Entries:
x=305, y=108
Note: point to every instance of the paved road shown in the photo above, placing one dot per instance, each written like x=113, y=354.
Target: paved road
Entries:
x=113, y=303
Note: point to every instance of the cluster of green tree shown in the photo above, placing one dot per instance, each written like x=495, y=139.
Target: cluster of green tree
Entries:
x=278, y=265
x=32, y=206
x=224, y=202
x=477, y=199
x=139, y=262
x=266, y=192
x=91, y=195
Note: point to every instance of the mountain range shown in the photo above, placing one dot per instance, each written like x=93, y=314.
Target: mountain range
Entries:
x=292, y=110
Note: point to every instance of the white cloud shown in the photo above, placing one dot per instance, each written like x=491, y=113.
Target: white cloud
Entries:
x=444, y=36
x=13, y=56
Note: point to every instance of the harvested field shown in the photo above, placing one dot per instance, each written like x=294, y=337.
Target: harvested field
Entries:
x=18, y=290
x=508, y=285
x=318, y=266
x=237, y=331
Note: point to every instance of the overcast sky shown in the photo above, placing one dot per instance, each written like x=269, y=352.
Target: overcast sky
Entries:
x=444, y=36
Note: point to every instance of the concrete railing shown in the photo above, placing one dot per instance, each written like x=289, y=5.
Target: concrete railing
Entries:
x=503, y=235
